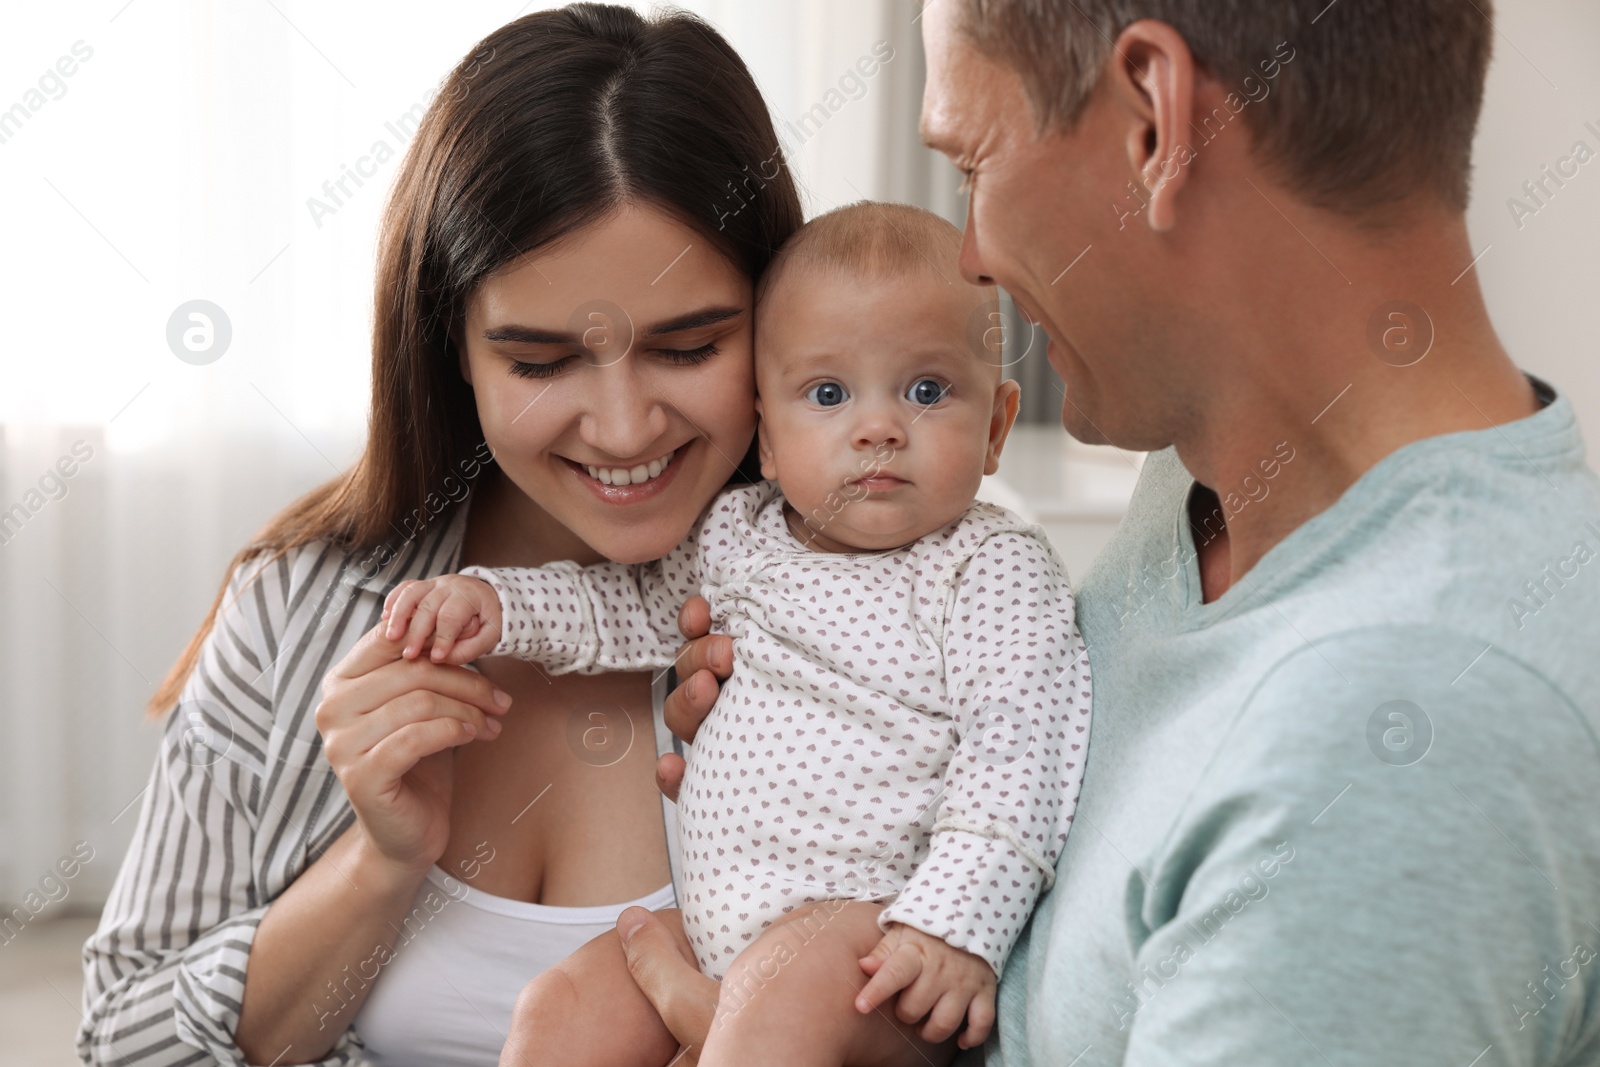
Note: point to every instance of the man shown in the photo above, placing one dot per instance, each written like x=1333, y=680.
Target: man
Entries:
x=1339, y=803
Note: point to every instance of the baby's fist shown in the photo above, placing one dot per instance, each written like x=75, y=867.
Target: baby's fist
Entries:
x=460, y=615
x=936, y=981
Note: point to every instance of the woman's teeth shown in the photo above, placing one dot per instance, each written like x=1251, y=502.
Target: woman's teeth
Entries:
x=630, y=475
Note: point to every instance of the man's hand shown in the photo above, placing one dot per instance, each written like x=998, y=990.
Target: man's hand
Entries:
x=664, y=968
x=702, y=665
x=948, y=982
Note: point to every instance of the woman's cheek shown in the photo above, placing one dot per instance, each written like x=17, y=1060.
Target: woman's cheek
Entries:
x=721, y=401
x=521, y=437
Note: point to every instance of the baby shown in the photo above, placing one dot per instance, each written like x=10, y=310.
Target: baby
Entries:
x=888, y=776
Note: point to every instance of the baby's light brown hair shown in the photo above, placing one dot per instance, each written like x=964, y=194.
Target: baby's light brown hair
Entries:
x=877, y=239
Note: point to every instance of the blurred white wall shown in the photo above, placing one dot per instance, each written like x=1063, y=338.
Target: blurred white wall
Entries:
x=1541, y=273
x=175, y=163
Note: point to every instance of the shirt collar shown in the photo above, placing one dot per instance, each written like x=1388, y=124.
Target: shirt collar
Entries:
x=435, y=549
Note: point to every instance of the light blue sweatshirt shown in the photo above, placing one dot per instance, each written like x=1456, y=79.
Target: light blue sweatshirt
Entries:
x=1349, y=813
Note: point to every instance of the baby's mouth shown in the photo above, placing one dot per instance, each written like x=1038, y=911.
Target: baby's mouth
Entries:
x=882, y=482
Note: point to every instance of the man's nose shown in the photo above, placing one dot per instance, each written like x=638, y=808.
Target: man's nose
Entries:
x=626, y=416
x=971, y=263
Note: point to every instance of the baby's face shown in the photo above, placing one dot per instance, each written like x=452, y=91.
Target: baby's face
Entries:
x=878, y=418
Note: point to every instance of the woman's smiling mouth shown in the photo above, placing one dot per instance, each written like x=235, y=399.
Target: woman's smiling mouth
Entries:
x=630, y=485
x=636, y=475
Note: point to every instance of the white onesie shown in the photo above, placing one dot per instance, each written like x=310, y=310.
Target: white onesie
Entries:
x=906, y=726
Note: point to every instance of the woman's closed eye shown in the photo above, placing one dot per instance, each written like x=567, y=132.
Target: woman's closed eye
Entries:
x=540, y=370
x=682, y=357
x=688, y=357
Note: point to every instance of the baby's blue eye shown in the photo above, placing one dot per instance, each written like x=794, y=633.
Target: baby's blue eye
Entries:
x=827, y=395
x=926, y=391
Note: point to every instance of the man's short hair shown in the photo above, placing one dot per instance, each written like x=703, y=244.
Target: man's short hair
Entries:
x=1379, y=102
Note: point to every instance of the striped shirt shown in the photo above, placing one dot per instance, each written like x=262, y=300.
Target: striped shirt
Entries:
x=241, y=800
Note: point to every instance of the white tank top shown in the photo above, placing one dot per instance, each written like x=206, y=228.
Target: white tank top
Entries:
x=445, y=998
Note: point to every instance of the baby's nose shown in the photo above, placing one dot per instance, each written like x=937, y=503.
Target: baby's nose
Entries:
x=879, y=425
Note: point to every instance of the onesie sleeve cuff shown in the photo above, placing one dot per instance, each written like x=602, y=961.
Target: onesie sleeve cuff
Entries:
x=544, y=616
x=975, y=892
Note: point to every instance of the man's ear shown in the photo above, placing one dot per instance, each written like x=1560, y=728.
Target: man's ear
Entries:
x=1007, y=400
x=769, y=465
x=1154, y=84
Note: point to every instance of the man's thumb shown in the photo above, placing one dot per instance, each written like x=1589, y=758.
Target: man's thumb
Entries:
x=683, y=997
x=653, y=957
x=629, y=923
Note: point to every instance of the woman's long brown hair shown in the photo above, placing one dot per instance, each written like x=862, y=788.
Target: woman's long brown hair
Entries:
x=552, y=122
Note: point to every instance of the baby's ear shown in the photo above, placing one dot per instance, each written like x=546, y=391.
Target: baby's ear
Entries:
x=769, y=465
x=1007, y=400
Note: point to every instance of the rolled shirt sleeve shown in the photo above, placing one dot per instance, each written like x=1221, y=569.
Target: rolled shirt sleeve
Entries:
x=164, y=973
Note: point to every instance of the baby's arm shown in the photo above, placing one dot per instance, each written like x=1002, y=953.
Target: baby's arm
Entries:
x=590, y=620
x=1018, y=677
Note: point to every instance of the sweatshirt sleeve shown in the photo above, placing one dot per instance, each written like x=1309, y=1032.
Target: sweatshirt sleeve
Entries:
x=1018, y=676
x=595, y=619
x=164, y=973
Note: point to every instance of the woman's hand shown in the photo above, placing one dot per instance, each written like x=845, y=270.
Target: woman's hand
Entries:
x=703, y=663
x=387, y=726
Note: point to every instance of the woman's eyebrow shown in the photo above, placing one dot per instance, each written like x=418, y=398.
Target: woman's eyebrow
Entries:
x=534, y=335
x=694, y=320
x=529, y=335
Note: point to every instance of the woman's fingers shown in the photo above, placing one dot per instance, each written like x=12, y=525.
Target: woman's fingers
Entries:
x=345, y=699
x=373, y=650
x=419, y=705
x=393, y=757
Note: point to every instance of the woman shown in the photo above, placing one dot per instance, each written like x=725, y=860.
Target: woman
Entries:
x=564, y=285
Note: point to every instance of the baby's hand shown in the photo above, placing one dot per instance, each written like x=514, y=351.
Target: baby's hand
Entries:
x=935, y=977
x=461, y=615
